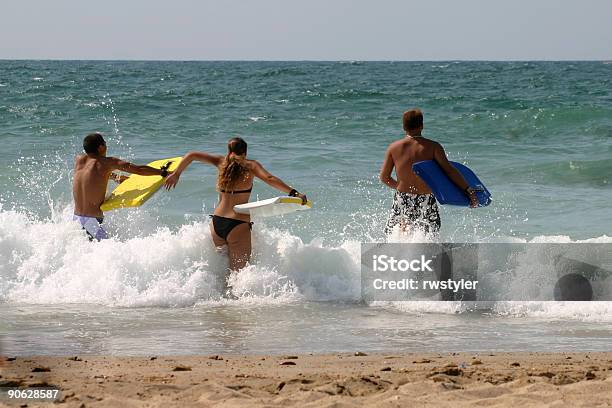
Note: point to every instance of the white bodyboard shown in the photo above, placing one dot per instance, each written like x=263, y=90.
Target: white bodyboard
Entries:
x=273, y=206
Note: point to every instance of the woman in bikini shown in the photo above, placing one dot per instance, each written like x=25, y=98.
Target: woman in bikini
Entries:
x=234, y=182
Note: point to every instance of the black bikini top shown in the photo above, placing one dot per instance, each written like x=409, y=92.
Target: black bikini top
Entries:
x=237, y=191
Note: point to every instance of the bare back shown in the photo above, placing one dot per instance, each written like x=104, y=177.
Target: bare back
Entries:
x=228, y=200
x=91, y=175
x=405, y=153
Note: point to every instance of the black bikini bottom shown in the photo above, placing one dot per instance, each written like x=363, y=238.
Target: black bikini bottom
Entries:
x=223, y=226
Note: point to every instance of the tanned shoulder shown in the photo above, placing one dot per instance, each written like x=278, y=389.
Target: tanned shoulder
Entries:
x=435, y=144
x=427, y=140
x=111, y=163
x=252, y=164
x=395, y=145
x=79, y=160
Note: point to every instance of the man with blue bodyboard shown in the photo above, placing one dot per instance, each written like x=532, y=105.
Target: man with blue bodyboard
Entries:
x=414, y=205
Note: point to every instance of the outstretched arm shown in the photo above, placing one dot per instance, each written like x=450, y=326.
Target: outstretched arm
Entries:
x=260, y=172
x=387, y=169
x=453, y=174
x=118, y=164
x=190, y=157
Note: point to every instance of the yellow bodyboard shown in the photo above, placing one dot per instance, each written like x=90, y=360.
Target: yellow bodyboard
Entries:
x=136, y=190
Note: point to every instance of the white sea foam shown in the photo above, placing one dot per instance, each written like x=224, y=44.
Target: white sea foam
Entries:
x=52, y=262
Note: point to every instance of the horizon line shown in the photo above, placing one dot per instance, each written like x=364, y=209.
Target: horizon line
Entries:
x=297, y=60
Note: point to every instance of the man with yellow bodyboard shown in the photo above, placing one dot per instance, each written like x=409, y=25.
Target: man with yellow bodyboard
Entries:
x=92, y=171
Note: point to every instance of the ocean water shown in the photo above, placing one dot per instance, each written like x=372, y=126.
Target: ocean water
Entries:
x=538, y=133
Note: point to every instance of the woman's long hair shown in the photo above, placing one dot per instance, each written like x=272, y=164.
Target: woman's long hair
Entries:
x=231, y=170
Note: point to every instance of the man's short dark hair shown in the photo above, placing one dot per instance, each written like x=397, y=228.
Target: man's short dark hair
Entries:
x=413, y=120
x=92, y=142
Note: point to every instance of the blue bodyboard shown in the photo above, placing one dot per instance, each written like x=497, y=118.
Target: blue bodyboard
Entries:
x=445, y=190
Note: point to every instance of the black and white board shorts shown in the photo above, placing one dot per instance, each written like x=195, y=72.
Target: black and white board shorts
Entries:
x=414, y=212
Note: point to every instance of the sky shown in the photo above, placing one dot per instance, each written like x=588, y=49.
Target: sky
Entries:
x=306, y=29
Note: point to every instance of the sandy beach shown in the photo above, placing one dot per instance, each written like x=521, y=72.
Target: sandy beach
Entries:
x=338, y=380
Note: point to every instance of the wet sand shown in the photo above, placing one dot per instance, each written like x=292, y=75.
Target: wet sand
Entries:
x=338, y=380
